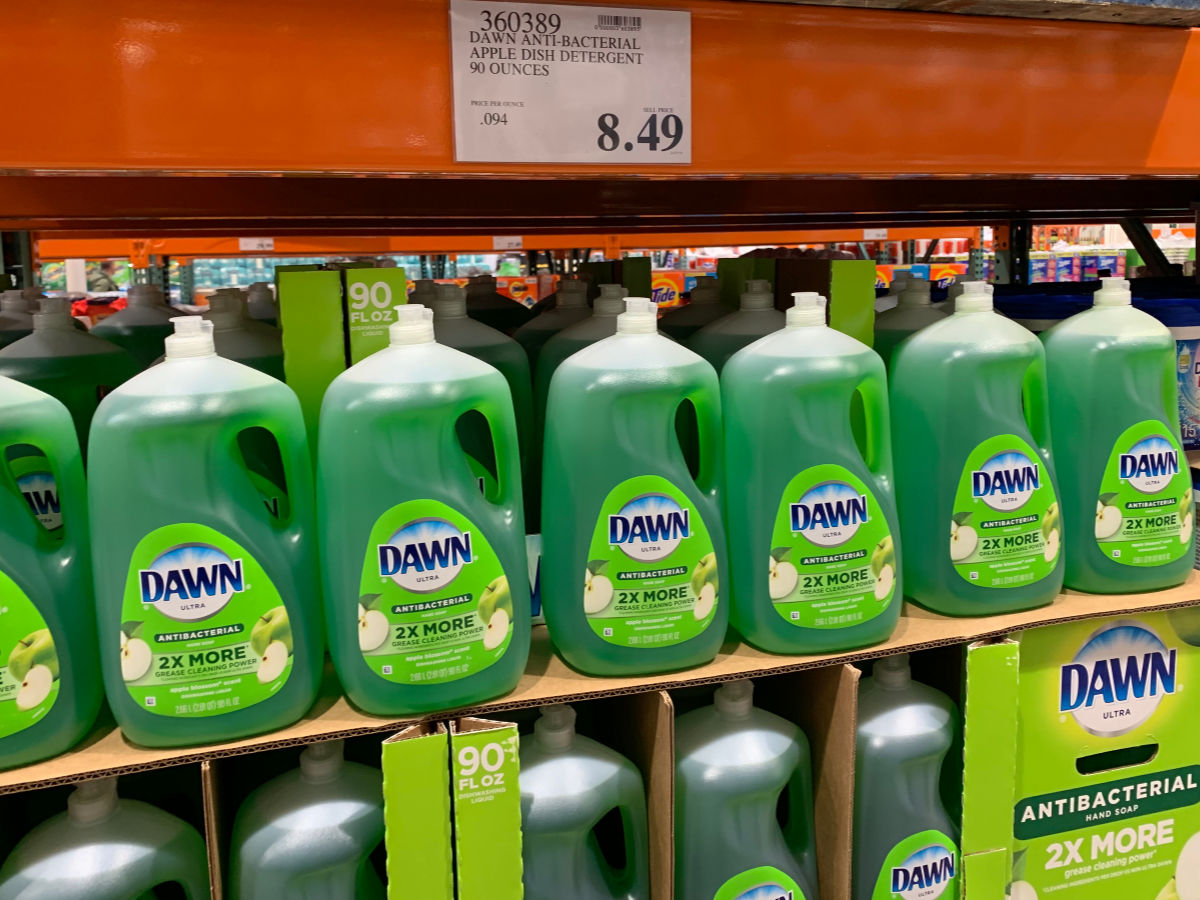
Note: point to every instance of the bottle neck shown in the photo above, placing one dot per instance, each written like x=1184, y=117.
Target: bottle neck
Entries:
x=450, y=308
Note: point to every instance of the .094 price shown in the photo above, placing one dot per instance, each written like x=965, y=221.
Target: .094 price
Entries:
x=654, y=131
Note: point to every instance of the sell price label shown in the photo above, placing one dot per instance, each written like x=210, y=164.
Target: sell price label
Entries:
x=545, y=83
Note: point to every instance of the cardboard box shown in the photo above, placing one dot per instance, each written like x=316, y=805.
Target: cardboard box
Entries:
x=416, y=810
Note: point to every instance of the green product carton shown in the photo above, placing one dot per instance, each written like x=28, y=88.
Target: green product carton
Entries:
x=416, y=811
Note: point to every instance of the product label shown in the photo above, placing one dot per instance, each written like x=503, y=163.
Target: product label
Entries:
x=1004, y=531
x=921, y=867
x=40, y=491
x=651, y=579
x=1187, y=358
x=204, y=631
x=29, y=678
x=1144, y=509
x=833, y=562
x=763, y=883
x=435, y=604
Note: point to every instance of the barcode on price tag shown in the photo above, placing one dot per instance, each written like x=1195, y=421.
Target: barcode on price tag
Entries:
x=545, y=83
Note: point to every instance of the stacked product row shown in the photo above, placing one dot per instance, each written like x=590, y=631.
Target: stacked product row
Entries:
x=203, y=516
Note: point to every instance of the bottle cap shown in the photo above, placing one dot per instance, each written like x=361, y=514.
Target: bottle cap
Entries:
x=555, y=727
x=571, y=295
x=899, y=281
x=92, y=801
x=148, y=295
x=808, y=309
x=976, y=296
x=413, y=325
x=758, y=294
x=425, y=292
x=707, y=291
x=451, y=302
x=1113, y=292
x=260, y=290
x=13, y=301
x=735, y=699
x=192, y=338
x=611, y=301
x=323, y=761
x=915, y=293
x=640, y=316
x=53, y=312
x=226, y=307
x=892, y=672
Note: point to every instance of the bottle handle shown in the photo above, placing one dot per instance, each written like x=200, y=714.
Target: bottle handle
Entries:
x=709, y=436
x=800, y=829
x=502, y=429
x=878, y=437
x=637, y=846
x=1170, y=390
x=1037, y=413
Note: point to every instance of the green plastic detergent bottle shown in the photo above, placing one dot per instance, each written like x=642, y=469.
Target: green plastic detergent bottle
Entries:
x=426, y=587
x=107, y=848
x=1114, y=413
x=207, y=598
x=733, y=764
x=905, y=842
x=756, y=317
x=913, y=311
x=570, y=306
x=141, y=326
x=569, y=783
x=261, y=304
x=805, y=496
x=49, y=686
x=632, y=543
x=310, y=832
x=600, y=324
x=704, y=307
x=241, y=338
x=75, y=367
x=971, y=438
x=15, y=319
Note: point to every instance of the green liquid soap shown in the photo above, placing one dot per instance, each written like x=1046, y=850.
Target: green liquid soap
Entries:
x=50, y=691
x=570, y=306
x=905, y=841
x=979, y=513
x=913, y=311
x=569, y=783
x=310, y=832
x=703, y=308
x=15, y=319
x=1114, y=414
x=241, y=338
x=811, y=517
x=76, y=368
x=756, y=317
x=426, y=585
x=140, y=327
x=207, y=598
x=261, y=304
x=733, y=763
x=633, y=551
x=106, y=848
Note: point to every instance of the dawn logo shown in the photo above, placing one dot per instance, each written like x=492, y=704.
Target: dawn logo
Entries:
x=425, y=555
x=649, y=527
x=1006, y=481
x=767, y=892
x=1117, y=679
x=924, y=875
x=41, y=493
x=1150, y=464
x=191, y=582
x=830, y=513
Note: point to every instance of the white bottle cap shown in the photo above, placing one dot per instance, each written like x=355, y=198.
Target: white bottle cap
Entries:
x=758, y=295
x=92, y=801
x=555, y=727
x=611, y=301
x=425, y=292
x=192, y=338
x=323, y=761
x=413, y=325
x=53, y=312
x=735, y=699
x=915, y=293
x=976, y=296
x=808, y=309
x=571, y=295
x=892, y=672
x=640, y=316
x=1113, y=292
x=451, y=302
x=148, y=295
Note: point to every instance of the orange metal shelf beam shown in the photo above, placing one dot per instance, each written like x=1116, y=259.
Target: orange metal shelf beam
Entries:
x=293, y=86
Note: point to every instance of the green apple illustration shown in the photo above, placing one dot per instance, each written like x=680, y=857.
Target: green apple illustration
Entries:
x=705, y=584
x=35, y=649
x=496, y=611
x=273, y=625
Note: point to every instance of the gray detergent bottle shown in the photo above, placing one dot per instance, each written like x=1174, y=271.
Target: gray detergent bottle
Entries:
x=570, y=306
x=756, y=318
x=703, y=308
x=142, y=326
x=905, y=841
x=261, y=303
x=15, y=318
x=239, y=337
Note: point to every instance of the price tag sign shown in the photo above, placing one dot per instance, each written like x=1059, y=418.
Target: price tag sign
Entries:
x=259, y=243
x=544, y=83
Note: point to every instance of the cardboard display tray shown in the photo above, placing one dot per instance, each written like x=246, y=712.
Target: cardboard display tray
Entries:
x=548, y=680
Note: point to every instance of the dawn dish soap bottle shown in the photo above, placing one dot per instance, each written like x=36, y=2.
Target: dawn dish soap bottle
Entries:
x=975, y=484
x=633, y=549
x=570, y=306
x=107, y=848
x=703, y=307
x=426, y=587
x=569, y=783
x=905, y=842
x=141, y=326
x=241, y=338
x=1114, y=413
x=914, y=310
x=310, y=832
x=733, y=764
x=756, y=317
x=207, y=598
x=806, y=498
x=50, y=690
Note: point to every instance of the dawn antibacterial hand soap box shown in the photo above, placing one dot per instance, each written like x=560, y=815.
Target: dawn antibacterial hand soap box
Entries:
x=1107, y=800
